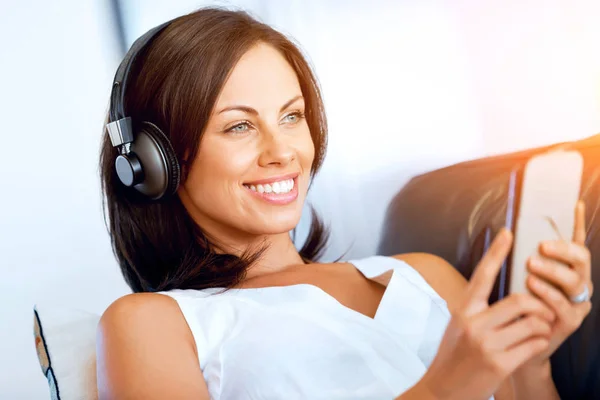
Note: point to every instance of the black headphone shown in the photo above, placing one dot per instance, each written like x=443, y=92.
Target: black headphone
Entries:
x=147, y=161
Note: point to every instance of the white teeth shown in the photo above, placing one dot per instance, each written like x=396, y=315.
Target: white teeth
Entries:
x=275, y=187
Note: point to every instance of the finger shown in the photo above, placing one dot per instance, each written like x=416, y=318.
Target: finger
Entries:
x=560, y=275
x=579, y=233
x=519, y=331
x=571, y=253
x=565, y=310
x=511, y=308
x=484, y=276
x=522, y=352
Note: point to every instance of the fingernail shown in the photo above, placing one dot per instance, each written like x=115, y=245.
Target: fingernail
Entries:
x=505, y=235
x=535, y=262
x=548, y=246
x=535, y=282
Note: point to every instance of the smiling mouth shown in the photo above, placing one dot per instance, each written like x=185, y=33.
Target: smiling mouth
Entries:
x=283, y=186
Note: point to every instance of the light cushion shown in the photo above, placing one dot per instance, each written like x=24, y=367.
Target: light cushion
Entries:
x=65, y=340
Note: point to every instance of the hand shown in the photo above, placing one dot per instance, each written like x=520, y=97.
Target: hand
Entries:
x=483, y=345
x=562, y=272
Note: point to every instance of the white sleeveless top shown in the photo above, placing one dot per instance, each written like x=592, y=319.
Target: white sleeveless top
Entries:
x=299, y=342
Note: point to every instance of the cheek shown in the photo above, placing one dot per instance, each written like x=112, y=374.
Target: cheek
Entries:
x=306, y=150
x=215, y=172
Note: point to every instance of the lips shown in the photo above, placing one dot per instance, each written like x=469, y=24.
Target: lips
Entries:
x=274, y=179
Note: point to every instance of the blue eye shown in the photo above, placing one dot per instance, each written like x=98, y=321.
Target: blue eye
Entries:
x=243, y=127
x=239, y=128
x=294, y=117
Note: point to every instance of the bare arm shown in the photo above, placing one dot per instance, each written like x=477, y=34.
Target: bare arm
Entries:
x=451, y=286
x=145, y=350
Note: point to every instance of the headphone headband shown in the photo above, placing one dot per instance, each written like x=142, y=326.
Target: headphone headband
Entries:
x=117, y=97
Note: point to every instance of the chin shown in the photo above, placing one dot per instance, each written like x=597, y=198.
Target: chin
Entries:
x=277, y=223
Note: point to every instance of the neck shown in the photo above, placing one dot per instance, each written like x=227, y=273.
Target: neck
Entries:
x=280, y=254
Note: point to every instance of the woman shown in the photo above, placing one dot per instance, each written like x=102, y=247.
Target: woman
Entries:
x=245, y=119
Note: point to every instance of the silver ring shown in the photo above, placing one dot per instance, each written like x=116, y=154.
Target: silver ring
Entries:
x=582, y=297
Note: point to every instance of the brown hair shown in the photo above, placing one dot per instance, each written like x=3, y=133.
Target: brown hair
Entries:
x=175, y=84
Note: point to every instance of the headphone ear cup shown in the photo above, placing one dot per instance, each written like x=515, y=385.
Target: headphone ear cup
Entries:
x=161, y=169
x=129, y=169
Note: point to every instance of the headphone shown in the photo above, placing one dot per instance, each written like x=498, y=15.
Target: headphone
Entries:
x=146, y=160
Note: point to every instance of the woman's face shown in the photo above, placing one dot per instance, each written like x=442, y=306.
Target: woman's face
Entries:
x=253, y=167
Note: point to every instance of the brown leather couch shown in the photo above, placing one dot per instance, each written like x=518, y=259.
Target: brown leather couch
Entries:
x=456, y=211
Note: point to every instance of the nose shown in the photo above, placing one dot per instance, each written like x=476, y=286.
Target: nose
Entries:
x=276, y=149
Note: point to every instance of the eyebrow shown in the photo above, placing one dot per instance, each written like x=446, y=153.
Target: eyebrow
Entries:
x=251, y=110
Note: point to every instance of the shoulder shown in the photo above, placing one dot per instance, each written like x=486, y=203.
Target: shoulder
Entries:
x=141, y=309
x=143, y=315
x=144, y=346
x=439, y=274
x=136, y=302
